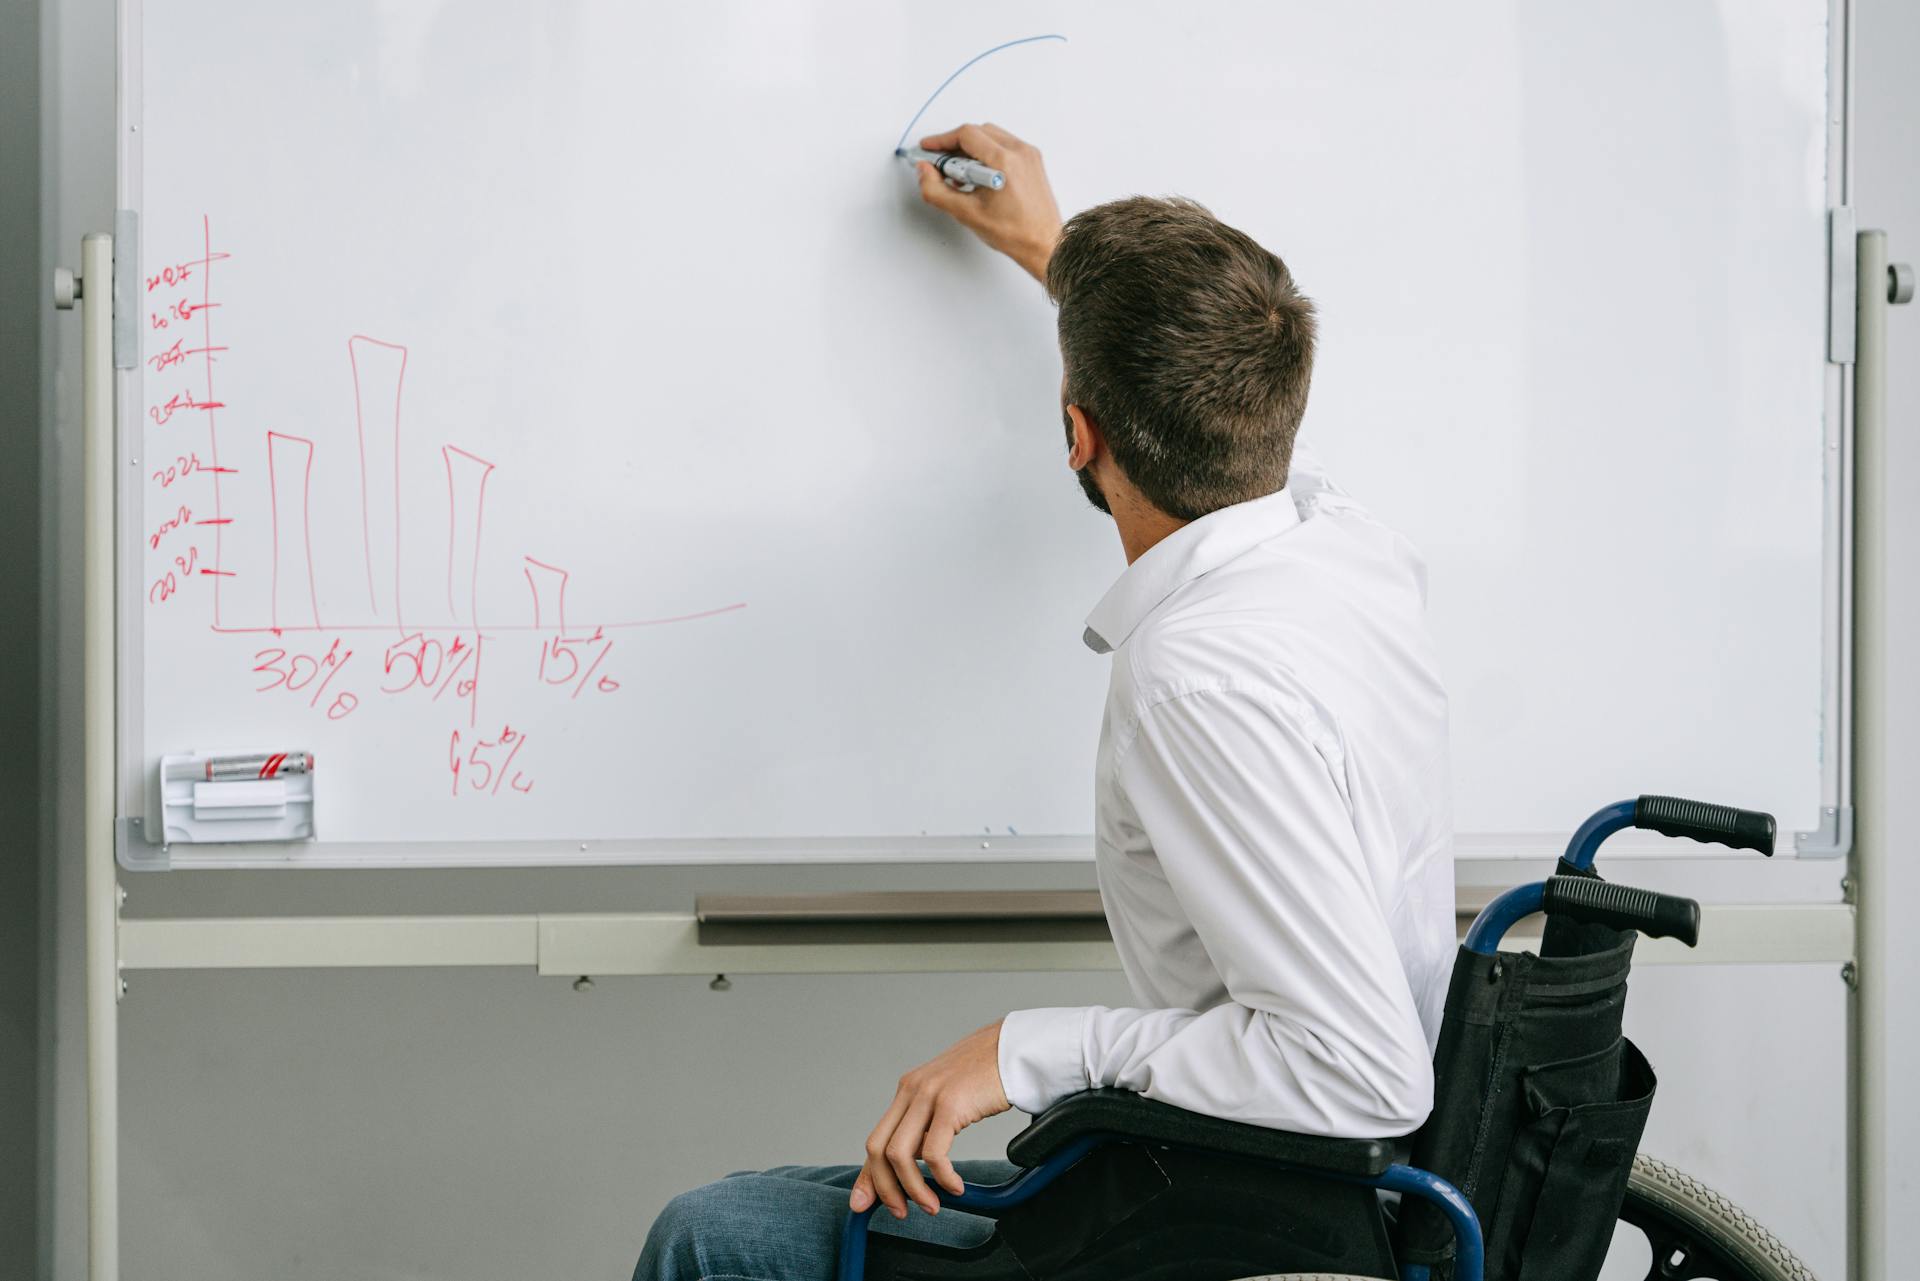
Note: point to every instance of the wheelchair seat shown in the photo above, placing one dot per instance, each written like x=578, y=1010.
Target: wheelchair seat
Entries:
x=1153, y=1192
x=1124, y=1114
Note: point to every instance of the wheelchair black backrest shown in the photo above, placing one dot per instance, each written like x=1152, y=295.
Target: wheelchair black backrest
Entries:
x=1539, y=1104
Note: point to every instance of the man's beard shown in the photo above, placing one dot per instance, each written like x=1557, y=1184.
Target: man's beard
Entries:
x=1088, y=485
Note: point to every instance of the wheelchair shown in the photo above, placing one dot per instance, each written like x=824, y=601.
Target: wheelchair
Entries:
x=1522, y=1173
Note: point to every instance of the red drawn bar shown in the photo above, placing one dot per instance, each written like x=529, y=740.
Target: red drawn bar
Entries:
x=290, y=480
x=379, y=377
x=466, y=518
x=548, y=583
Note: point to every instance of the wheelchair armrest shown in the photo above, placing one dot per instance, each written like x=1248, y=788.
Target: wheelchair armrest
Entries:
x=1122, y=1114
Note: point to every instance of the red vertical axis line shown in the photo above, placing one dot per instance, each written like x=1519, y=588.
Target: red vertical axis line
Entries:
x=213, y=434
x=479, y=657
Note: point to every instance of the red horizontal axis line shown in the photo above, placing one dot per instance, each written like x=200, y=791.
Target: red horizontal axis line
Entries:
x=411, y=628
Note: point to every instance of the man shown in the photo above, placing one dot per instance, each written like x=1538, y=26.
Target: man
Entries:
x=1271, y=832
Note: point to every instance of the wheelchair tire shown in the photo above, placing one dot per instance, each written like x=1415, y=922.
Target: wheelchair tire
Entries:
x=1696, y=1233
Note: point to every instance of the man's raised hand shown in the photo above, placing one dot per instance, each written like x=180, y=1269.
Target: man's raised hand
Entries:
x=1021, y=220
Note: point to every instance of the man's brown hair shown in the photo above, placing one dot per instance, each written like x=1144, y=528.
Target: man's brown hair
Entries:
x=1187, y=345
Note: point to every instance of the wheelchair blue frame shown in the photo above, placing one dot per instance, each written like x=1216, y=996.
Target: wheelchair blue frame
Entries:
x=1469, y=1258
x=1523, y=901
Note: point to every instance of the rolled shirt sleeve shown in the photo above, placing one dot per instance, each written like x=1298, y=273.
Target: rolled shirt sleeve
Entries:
x=1043, y=1056
x=1243, y=806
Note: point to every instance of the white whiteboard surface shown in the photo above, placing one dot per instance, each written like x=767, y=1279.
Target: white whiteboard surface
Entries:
x=680, y=348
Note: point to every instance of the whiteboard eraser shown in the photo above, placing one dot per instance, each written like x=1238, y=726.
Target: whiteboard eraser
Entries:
x=262, y=798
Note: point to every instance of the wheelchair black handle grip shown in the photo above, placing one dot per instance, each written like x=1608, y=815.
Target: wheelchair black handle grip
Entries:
x=1590, y=900
x=1700, y=821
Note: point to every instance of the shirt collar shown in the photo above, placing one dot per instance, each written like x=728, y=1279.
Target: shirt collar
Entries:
x=1182, y=556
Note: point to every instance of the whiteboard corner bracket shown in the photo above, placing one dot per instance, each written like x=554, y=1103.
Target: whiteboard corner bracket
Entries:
x=134, y=852
x=1832, y=839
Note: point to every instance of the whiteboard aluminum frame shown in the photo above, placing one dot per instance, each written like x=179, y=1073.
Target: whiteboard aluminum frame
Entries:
x=1832, y=838
x=129, y=192
x=136, y=853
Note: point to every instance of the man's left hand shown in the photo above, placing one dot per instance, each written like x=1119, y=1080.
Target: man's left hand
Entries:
x=935, y=1101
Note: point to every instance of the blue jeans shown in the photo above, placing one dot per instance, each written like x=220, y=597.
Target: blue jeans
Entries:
x=784, y=1224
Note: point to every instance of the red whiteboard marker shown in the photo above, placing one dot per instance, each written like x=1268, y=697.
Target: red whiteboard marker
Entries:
x=229, y=769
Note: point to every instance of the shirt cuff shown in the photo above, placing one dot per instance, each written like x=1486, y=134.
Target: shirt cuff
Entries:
x=1042, y=1056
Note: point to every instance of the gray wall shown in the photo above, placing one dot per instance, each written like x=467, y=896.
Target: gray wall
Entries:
x=76, y=131
x=22, y=299
x=491, y=1125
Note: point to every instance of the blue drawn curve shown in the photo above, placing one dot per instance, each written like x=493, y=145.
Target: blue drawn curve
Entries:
x=956, y=75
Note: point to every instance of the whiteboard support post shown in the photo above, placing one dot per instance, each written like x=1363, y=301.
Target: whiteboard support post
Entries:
x=1869, y=1068
x=102, y=889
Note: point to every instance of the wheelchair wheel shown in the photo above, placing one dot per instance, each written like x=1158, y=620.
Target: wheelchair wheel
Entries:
x=1695, y=1233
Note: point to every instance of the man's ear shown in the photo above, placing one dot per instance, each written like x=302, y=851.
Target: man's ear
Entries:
x=1084, y=441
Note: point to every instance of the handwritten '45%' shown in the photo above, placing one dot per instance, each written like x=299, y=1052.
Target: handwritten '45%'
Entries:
x=485, y=765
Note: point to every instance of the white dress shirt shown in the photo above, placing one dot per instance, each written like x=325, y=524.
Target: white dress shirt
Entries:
x=1272, y=828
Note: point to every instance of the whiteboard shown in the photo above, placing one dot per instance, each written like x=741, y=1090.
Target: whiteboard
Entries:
x=565, y=422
